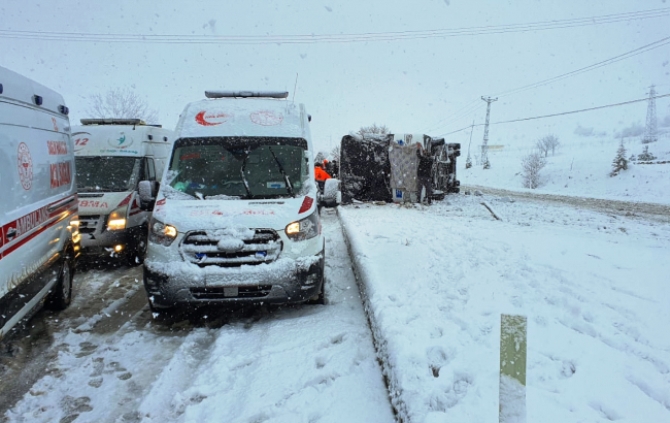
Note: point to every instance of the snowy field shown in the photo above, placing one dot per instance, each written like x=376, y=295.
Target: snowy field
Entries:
x=594, y=286
x=579, y=167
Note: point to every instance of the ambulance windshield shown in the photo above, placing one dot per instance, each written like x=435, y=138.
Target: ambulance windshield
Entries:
x=107, y=173
x=239, y=167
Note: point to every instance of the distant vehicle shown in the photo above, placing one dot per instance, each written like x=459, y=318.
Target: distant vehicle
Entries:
x=236, y=217
x=366, y=169
x=38, y=209
x=113, y=156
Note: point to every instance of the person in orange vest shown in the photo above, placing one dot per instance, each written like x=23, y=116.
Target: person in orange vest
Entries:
x=320, y=175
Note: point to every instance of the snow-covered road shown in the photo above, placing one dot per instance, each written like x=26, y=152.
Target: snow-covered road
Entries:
x=109, y=362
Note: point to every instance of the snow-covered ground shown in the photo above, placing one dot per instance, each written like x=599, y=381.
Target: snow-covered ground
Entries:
x=293, y=364
x=594, y=286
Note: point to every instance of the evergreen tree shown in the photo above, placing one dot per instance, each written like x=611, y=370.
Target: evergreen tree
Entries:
x=487, y=164
x=646, y=155
x=620, y=162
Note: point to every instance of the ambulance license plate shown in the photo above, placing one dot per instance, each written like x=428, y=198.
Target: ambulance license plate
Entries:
x=230, y=291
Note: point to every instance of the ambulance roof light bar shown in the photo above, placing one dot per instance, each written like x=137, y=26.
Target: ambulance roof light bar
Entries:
x=112, y=121
x=246, y=94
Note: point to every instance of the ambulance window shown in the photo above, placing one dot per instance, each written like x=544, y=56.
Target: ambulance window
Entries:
x=148, y=171
x=151, y=170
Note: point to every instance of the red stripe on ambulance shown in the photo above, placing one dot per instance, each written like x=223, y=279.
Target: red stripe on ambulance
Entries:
x=40, y=219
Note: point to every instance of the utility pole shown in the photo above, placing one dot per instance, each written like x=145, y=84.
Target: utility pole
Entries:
x=485, y=144
x=650, y=134
x=468, y=162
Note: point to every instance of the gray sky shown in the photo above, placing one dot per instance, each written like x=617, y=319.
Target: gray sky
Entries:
x=431, y=84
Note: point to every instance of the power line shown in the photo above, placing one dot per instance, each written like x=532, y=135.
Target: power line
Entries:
x=639, y=50
x=464, y=111
x=558, y=114
x=334, y=38
x=581, y=110
x=651, y=46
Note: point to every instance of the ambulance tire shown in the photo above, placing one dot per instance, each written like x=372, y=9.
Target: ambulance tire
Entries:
x=161, y=313
x=61, y=294
x=135, y=256
x=321, y=297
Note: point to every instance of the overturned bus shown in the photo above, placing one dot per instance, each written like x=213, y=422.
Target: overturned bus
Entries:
x=369, y=165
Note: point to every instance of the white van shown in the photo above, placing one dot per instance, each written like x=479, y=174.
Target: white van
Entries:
x=38, y=209
x=112, y=156
x=236, y=217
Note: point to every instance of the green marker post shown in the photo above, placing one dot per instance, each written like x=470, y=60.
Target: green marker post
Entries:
x=512, y=397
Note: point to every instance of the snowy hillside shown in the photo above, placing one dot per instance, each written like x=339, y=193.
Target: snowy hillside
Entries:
x=579, y=167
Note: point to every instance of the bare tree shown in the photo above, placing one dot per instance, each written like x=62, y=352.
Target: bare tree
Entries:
x=546, y=144
x=551, y=141
x=372, y=130
x=335, y=153
x=541, y=147
x=122, y=103
x=532, y=164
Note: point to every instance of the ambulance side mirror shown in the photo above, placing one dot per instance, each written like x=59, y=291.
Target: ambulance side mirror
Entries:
x=331, y=196
x=146, y=195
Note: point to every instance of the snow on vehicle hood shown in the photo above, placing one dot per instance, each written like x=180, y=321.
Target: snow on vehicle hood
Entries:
x=193, y=214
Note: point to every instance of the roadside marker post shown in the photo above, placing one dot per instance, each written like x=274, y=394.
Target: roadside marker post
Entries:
x=512, y=394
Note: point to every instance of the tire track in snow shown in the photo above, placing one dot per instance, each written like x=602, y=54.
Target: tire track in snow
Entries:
x=34, y=349
x=303, y=363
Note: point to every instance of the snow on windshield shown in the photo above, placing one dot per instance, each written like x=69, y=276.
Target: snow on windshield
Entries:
x=227, y=168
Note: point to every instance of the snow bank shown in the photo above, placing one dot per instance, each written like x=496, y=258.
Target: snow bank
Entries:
x=593, y=287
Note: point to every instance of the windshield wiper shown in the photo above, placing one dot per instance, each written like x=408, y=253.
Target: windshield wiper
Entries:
x=244, y=180
x=289, y=186
x=88, y=189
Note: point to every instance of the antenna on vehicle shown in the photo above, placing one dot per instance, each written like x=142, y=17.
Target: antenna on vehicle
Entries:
x=295, y=87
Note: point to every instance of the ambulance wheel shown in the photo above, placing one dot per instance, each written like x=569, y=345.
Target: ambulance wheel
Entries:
x=320, y=298
x=61, y=294
x=158, y=312
x=135, y=256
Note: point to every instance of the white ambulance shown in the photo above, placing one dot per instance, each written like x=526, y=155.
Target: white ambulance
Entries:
x=38, y=240
x=113, y=156
x=236, y=217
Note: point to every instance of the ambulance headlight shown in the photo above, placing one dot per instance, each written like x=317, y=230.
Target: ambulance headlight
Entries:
x=117, y=219
x=161, y=233
x=306, y=228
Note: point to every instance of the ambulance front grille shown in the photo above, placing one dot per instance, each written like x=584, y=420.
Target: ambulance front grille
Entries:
x=217, y=293
x=200, y=248
x=88, y=224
